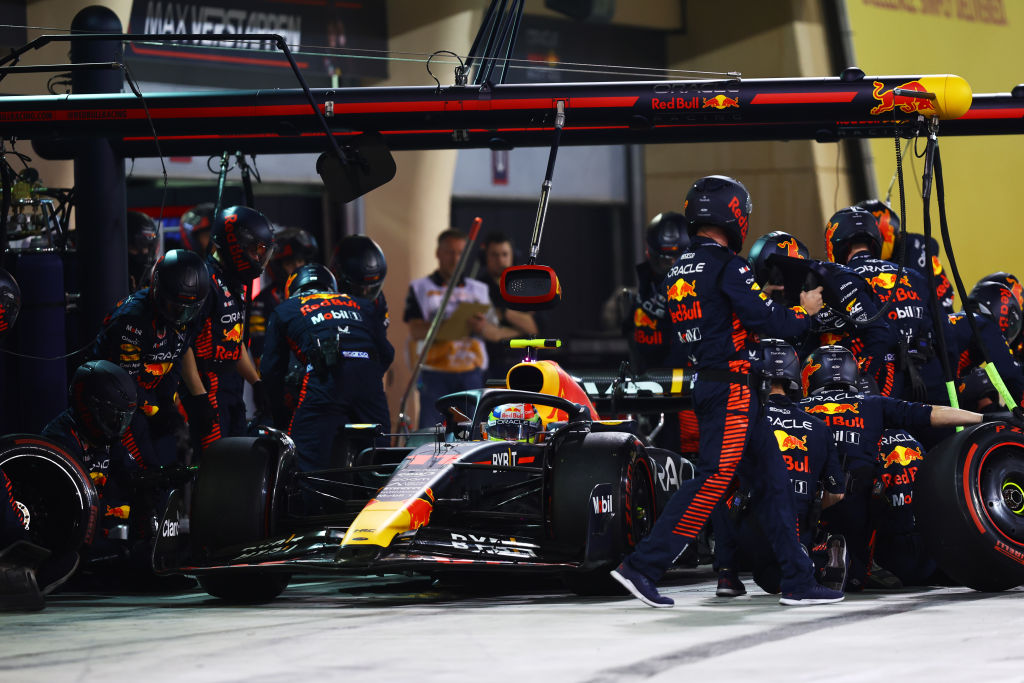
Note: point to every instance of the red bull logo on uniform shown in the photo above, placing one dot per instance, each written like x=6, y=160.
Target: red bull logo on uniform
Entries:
x=234, y=334
x=832, y=408
x=641, y=319
x=901, y=455
x=158, y=369
x=681, y=289
x=788, y=442
x=888, y=100
x=720, y=102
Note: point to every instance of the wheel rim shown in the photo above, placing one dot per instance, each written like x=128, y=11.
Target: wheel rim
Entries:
x=1001, y=484
x=641, y=503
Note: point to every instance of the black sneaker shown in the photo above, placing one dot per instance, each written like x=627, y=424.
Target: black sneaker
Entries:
x=880, y=577
x=814, y=594
x=642, y=588
x=834, y=572
x=18, y=589
x=729, y=585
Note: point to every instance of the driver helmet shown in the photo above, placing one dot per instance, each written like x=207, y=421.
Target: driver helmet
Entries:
x=103, y=398
x=513, y=422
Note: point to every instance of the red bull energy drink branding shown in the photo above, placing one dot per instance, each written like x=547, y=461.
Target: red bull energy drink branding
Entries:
x=889, y=100
x=681, y=289
x=789, y=442
x=720, y=102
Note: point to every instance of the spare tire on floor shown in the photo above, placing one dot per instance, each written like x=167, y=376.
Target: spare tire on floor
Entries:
x=969, y=506
x=56, y=496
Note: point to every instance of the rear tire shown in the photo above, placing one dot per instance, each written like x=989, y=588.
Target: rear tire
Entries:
x=235, y=502
x=613, y=458
x=969, y=506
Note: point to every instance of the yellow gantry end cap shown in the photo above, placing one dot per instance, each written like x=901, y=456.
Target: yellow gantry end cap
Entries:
x=952, y=95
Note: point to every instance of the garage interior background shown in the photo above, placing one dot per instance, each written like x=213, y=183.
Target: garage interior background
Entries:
x=602, y=196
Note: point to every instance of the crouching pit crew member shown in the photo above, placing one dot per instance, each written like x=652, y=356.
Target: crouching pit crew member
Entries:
x=830, y=380
x=715, y=305
x=343, y=344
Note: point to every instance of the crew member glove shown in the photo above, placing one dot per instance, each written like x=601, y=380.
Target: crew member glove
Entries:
x=1003, y=416
x=261, y=399
x=201, y=414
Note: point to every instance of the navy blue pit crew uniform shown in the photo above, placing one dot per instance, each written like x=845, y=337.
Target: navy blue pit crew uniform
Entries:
x=857, y=422
x=148, y=347
x=342, y=340
x=713, y=301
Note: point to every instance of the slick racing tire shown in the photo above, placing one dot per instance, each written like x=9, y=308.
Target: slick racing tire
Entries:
x=53, y=492
x=969, y=506
x=602, y=504
x=235, y=503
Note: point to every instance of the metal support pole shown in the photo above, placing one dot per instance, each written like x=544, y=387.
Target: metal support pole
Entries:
x=100, y=204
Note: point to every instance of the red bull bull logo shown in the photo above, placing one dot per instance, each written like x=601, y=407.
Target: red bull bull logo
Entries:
x=98, y=478
x=830, y=230
x=720, y=102
x=681, y=289
x=788, y=442
x=641, y=319
x=888, y=100
x=883, y=280
x=234, y=334
x=901, y=455
x=119, y=512
x=158, y=369
x=832, y=408
x=420, y=509
x=791, y=247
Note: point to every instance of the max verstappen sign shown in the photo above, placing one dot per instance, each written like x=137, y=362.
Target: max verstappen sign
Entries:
x=334, y=25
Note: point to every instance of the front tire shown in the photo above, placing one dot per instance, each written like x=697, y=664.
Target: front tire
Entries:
x=235, y=502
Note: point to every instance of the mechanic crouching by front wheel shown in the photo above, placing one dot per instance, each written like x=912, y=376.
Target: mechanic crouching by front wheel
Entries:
x=243, y=243
x=715, y=306
x=343, y=343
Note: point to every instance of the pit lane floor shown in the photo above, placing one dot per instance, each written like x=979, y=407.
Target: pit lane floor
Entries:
x=401, y=629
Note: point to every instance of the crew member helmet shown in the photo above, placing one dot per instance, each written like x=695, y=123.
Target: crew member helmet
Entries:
x=776, y=242
x=830, y=367
x=312, y=277
x=513, y=422
x=720, y=201
x=180, y=285
x=294, y=248
x=142, y=245
x=666, y=238
x=781, y=364
x=888, y=224
x=195, y=223
x=851, y=226
x=245, y=242
x=1009, y=280
x=103, y=399
x=10, y=301
x=997, y=302
x=360, y=266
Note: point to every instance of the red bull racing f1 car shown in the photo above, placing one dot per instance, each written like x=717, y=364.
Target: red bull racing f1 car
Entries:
x=571, y=501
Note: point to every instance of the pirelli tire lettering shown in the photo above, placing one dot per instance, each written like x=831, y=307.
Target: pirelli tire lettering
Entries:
x=969, y=504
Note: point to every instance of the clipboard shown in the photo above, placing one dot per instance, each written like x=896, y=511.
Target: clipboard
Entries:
x=456, y=326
